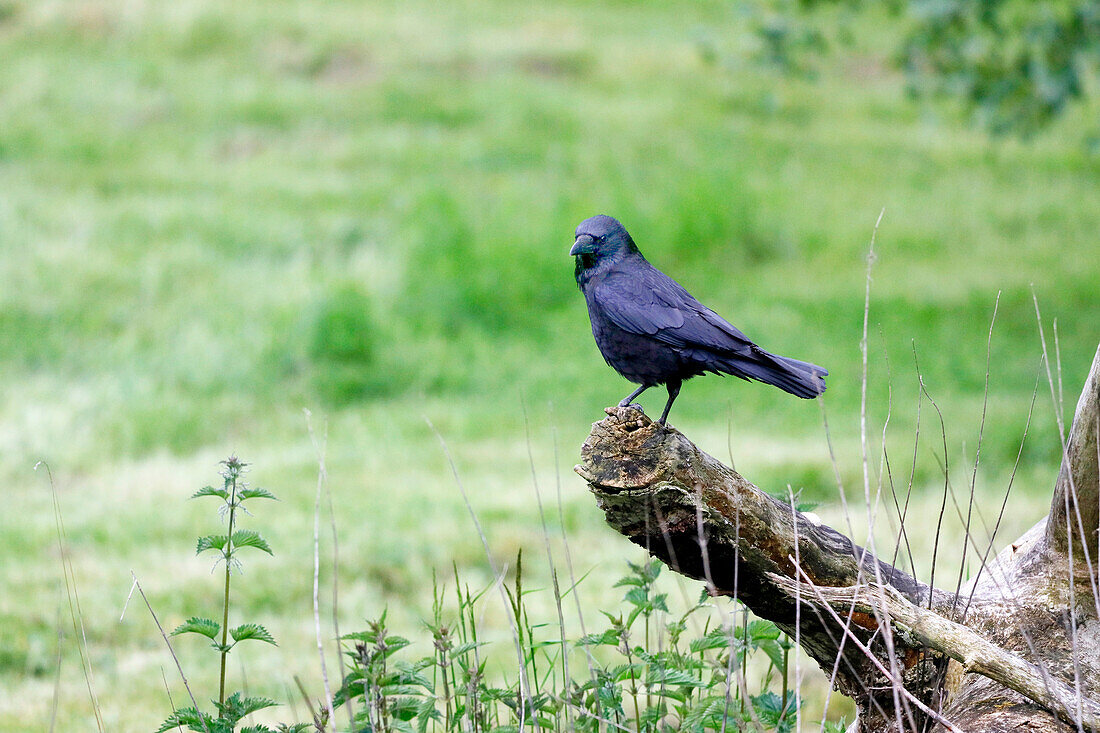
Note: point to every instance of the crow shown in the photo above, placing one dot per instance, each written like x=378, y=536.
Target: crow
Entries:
x=652, y=331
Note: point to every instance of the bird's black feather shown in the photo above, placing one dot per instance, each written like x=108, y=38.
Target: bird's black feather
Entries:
x=652, y=331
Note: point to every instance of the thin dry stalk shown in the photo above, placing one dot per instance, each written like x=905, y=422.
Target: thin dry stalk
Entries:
x=797, y=622
x=549, y=559
x=321, y=480
x=75, y=612
x=946, y=476
x=978, y=452
x=525, y=687
x=568, y=554
x=57, y=673
x=1008, y=491
x=171, y=651
x=865, y=451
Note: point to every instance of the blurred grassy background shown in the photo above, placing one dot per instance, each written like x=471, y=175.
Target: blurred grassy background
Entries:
x=214, y=217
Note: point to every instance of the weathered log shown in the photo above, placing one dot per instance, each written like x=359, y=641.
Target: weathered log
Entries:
x=1076, y=502
x=1033, y=602
x=974, y=652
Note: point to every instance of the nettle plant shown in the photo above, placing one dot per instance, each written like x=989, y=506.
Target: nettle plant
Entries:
x=232, y=709
x=648, y=671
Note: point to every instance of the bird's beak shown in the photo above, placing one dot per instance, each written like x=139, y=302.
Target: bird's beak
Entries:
x=584, y=245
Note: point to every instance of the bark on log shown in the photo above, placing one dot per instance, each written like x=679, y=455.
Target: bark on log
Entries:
x=1033, y=602
x=1076, y=502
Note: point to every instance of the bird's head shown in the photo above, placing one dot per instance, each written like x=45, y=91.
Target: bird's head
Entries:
x=600, y=238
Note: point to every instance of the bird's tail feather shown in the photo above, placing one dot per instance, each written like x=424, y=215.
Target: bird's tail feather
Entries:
x=800, y=378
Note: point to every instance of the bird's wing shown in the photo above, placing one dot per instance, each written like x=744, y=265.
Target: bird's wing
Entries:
x=644, y=300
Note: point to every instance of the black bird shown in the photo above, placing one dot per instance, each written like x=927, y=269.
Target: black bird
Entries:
x=653, y=332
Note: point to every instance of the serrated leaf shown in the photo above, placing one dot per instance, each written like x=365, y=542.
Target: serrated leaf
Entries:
x=626, y=671
x=610, y=697
x=196, y=625
x=211, y=491
x=250, y=538
x=211, y=542
x=395, y=644
x=716, y=638
x=466, y=648
x=760, y=629
x=410, y=673
x=256, y=729
x=426, y=713
x=673, y=693
x=256, y=493
x=396, y=690
x=711, y=708
x=768, y=705
x=610, y=637
x=669, y=676
x=637, y=596
x=774, y=652
x=237, y=706
x=192, y=718
x=629, y=580
x=252, y=631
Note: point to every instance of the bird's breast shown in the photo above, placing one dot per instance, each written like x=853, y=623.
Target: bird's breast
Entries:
x=637, y=357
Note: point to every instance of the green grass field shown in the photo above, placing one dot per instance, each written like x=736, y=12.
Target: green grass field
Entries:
x=214, y=218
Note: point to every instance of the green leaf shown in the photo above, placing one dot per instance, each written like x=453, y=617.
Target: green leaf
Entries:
x=250, y=538
x=669, y=676
x=761, y=629
x=626, y=671
x=256, y=729
x=610, y=697
x=395, y=644
x=769, y=706
x=236, y=706
x=707, y=711
x=196, y=625
x=409, y=674
x=609, y=637
x=773, y=650
x=629, y=580
x=426, y=713
x=395, y=691
x=716, y=638
x=211, y=542
x=466, y=648
x=190, y=717
x=252, y=631
x=256, y=493
x=211, y=491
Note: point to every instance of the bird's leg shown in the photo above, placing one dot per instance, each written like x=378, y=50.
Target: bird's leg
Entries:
x=673, y=387
x=630, y=398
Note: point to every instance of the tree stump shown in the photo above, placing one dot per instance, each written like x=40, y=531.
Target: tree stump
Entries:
x=1022, y=639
